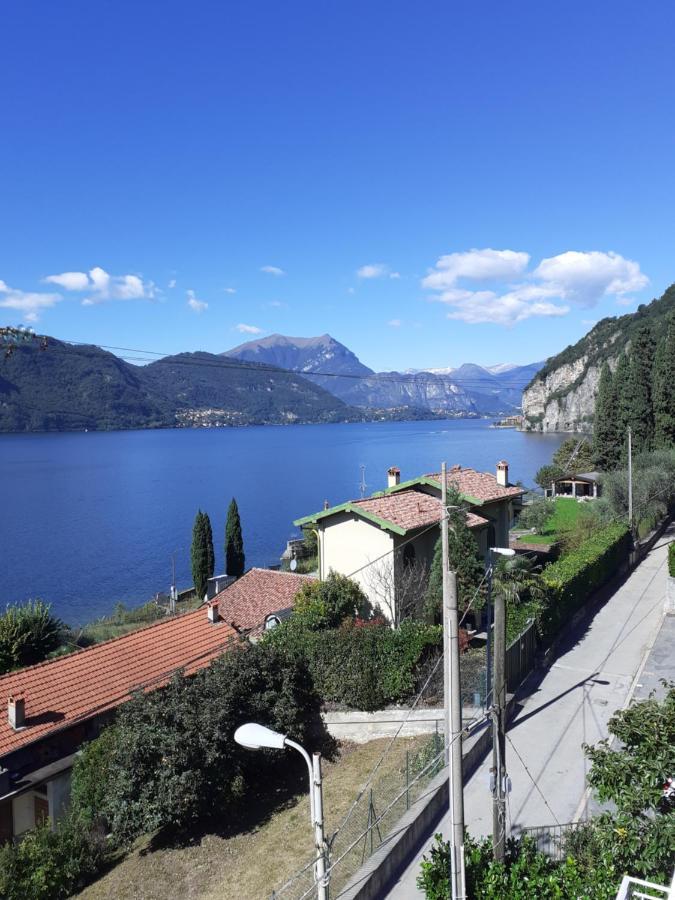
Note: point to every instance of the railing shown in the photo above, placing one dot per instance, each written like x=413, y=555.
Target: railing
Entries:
x=549, y=839
x=645, y=890
x=520, y=656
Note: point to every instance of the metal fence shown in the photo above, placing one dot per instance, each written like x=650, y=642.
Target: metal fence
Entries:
x=521, y=656
x=550, y=839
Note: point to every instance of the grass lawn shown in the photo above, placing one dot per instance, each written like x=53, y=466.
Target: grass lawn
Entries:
x=248, y=866
x=565, y=515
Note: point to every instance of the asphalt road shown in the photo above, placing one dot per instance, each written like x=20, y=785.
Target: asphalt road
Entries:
x=595, y=673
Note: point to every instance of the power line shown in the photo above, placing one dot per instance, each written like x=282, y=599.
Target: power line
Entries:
x=423, y=377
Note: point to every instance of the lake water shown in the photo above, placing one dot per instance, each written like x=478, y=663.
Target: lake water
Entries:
x=88, y=520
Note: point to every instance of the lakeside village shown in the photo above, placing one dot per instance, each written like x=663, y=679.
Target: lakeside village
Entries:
x=125, y=730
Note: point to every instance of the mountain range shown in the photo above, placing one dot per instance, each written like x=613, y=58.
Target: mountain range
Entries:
x=325, y=361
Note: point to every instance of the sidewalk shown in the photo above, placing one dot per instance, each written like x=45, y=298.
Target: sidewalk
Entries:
x=596, y=672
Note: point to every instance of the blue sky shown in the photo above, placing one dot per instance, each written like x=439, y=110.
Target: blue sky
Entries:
x=175, y=176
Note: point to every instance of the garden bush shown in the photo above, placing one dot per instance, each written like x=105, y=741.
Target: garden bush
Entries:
x=671, y=559
x=50, y=865
x=360, y=667
x=28, y=634
x=573, y=578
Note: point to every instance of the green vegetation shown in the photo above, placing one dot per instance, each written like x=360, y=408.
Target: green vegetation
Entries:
x=573, y=455
x=671, y=559
x=636, y=839
x=553, y=519
x=328, y=603
x=576, y=575
x=28, y=634
x=546, y=475
x=464, y=558
x=663, y=395
x=234, y=542
x=67, y=388
x=201, y=552
x=653, y=490
x=123, y=620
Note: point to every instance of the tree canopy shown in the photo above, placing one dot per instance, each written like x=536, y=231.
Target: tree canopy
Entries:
x=201, y=553
x=235, y=559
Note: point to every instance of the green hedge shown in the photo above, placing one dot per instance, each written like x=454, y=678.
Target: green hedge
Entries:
x=671, y=559
x=573, y=578
x=363, y=667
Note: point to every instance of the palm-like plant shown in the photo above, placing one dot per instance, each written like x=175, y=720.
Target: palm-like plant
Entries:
x=517, y=578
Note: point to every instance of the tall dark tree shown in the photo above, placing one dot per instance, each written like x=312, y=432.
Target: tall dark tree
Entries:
x=606, y=438
x=640, y=413
x=200, y=556
x=464, y=558
x=210, y=555
x=663, y=390
x=623, y=405
x=234, y=542
x=573, y=455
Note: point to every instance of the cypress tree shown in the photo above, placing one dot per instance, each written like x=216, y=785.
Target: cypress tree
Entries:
x=464, y=558
x=234, y=542
x=606, y=441
x=663, y=390
x=210, y=555
x=640, y=413
x=199, y=554
x=621, y=384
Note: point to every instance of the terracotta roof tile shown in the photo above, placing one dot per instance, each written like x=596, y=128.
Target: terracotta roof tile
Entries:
x=409, y=510
x=481, y=485
x=257, y=594
x=74, y=688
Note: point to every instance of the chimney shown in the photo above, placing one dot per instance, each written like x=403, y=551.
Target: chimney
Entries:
x=503, y=473
x=393, y=476
x=16, y=711
x=212, y=613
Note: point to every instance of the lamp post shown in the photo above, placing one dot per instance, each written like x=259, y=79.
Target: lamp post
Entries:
x=499, y=712
x=258, y=737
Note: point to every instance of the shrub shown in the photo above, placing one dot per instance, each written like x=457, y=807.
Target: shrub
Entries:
x=574, y=577
x=537, y=515
x=327, y=603
x=49, y=865
x=356, y=666
x=671, y=559
x=28, y=634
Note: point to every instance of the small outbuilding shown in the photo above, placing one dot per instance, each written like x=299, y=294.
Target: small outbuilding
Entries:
x=579, y=485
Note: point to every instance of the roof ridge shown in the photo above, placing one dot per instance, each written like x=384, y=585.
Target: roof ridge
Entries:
x=81, y=650
x=272, y=572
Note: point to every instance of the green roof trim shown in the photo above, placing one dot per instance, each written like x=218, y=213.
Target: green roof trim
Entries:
x=350, y=507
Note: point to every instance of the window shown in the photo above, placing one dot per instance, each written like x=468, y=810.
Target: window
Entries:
x=408, y=555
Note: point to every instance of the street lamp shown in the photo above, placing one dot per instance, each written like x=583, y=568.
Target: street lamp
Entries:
x=258, y=737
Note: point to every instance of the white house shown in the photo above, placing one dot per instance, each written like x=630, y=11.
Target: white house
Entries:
x=378, y=540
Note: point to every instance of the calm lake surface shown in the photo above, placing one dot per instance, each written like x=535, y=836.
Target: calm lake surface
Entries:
x=88, y=520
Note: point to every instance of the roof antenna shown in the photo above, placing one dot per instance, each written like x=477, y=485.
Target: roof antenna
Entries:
x=362, y=484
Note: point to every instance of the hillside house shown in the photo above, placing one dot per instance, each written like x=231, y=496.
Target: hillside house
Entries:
x=380, y=539
x=581, y=485
x=56, y=706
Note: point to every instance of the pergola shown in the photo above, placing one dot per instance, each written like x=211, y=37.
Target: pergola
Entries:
x=580, y=484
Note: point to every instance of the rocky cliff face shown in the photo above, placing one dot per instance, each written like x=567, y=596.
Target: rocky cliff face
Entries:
x=563, y=400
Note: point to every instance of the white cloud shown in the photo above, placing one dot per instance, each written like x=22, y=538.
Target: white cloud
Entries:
x=103, y=286
x=230, y=290
x=248, y=329
x=476, y=265
x=373, y=270
x=625, y=301
x=196, y=305
x=171, y=284
x=584, y=278
x=277, y=304
x=394, y=323
x=395, y=275
x=558, y=282
x=28, y=303
x=70, y=281
x=272, y=270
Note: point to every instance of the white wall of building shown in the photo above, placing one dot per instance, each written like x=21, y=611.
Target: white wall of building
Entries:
x=349, y=543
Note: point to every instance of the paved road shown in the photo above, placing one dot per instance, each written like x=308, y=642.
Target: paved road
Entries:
x=594, y=675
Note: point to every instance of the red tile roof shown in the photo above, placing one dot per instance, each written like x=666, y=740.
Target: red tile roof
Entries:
x=258, y=594
x=409, y=510
x=480, y=485
x=73, y=688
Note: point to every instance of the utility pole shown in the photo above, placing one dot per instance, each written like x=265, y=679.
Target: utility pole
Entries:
x=630, y=478
x=453, y=708
x=498, y=733
x=322, y=873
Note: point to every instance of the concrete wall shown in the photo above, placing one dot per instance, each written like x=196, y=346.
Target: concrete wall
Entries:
x=360, y=727
x=23, y=812
x=349, y=543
